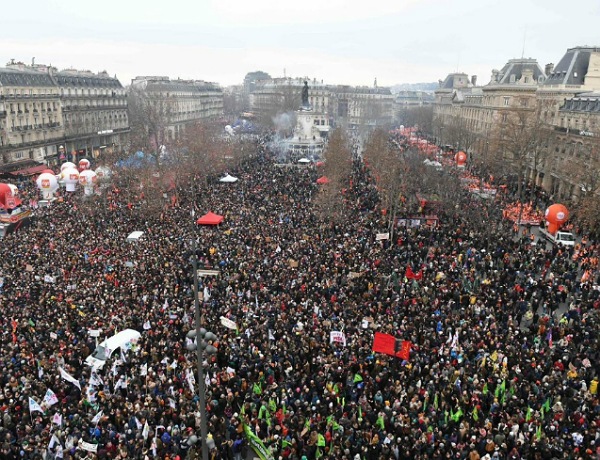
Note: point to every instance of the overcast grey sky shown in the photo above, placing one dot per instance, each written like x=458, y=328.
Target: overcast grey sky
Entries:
x=352, y=42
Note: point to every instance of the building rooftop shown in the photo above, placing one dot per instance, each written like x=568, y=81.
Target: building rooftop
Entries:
x=573, y=67
x=519, y=72
x=455, y=80
x=16, y=77
x=85, y=78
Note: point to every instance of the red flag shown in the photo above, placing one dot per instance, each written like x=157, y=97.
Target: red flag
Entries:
x=404, y=352
x=390, y=345
x=384, y=343
x=412, y=275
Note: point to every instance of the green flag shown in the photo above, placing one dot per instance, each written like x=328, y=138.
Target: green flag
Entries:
x=257, y=389
x=285, y=444
x=546, y=405
x=360, y=414
x=529, y=414
x=320, y=440
x=380, y=422
x=261, y=412
x=457, y=415
x=503, y=386
x=538, y=433
x=435, y=402
x=497, y=391
x=30, y=322
x=307, y=424
x=257, y=445
x=318, y=453
x=357, y=378
x=425, y=404
x=485, y=389
x=272, y=406
x=475, y=414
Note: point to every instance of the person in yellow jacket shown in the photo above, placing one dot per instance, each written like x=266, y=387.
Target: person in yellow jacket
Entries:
x=594, y=386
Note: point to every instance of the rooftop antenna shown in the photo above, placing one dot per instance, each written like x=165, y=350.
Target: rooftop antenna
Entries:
x=32, y=61
x=284, y=75
x=524, y=38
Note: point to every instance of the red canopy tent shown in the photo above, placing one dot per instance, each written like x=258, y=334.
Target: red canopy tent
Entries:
x=322, y=180
x=210, y=218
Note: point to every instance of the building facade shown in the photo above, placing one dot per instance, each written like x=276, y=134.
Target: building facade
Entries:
x=49, y=117
x=177, y=102
x=342, y=105
x=31, y=121
x=94, y=108
x=563, y=98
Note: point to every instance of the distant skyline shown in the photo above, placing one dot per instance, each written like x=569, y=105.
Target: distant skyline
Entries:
x=337, y=41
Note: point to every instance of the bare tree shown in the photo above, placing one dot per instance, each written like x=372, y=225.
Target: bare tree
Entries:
x=386, y=163
x=420, y=116
x=518, y=141
x=150, y=115
x=338, y=167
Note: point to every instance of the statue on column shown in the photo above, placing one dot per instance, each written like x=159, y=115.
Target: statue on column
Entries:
x=305, y=95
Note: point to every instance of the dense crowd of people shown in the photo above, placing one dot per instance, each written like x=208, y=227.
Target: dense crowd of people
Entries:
x=504, y=355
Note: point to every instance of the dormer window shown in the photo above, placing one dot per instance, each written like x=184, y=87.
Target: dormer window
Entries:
x=512, y=78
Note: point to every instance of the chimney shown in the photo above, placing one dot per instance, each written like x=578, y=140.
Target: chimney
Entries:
x=474, y=80
x=549, y=69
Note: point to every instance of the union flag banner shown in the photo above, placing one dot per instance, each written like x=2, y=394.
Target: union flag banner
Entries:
x=390, y=345
x=412, y=275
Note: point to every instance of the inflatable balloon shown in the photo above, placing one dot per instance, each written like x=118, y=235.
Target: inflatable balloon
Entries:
x=71, y=177
x=66, y=165
x=460, y=158
x=48, y=184
x=14, y=189
x=7, y=200
x=87, y=178
x=84, y=164
x=103, y=173
x=556, y=215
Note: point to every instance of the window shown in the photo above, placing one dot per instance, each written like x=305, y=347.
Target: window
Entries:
x=506, y=100
x=504, y=117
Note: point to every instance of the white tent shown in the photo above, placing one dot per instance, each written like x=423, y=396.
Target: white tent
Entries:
x=134, y=236
x=228, y=179
x=304, y=160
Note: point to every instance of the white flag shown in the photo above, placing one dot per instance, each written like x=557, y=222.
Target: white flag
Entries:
x=123, y=355
x=337, y=337
x=33, y=406
x=144, y=370
x=173, y=365
x=229, y=324
x=57, y=419
x=147, y=325
x=206, y=294
x=207, y=380
x=138, y=424
x=172, y=403
x=189, y=376
x=50, y=398
x=69, y=378
x=59, y=451
x=271, y=336
x=53, y=441
x=146, y=430
x=40, y=372
x=96, y=380
x=97, y=418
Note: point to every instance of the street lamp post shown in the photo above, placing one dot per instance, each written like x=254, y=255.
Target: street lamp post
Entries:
x=201, y=345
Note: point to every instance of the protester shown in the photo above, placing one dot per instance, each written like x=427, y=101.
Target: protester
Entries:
x=504, y=353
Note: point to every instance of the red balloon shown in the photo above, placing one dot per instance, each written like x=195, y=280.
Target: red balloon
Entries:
x=460, y=158
x=557, y=214
x=552, y=228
